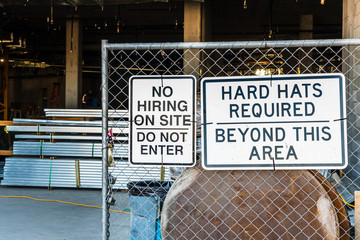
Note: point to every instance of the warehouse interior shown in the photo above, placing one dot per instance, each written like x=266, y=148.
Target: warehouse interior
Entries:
x=50, y=51
x=50, y=60
x=33, y=37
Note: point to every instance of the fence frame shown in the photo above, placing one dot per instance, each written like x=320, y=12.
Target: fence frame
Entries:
x=105, y=47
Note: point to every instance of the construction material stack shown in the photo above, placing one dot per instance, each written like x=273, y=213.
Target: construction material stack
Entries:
x=65, y=150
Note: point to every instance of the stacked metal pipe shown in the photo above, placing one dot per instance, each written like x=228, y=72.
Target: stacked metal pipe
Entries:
x=67, y=153
x=1, y=169
x=61, y=172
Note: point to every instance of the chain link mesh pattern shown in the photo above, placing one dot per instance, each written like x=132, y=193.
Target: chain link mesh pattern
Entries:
x=314, y=204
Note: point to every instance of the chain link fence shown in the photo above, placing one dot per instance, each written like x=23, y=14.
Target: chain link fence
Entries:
x=297, y=204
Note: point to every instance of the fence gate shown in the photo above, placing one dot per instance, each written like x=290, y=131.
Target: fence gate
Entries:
x=298, y=204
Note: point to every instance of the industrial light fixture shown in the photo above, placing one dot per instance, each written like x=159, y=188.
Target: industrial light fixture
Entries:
x=245, y=4
x=322, y=2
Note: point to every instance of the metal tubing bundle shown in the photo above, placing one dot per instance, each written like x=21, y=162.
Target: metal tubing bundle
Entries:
x=64, y=173
x=69, y=152
x=2, y=169
x=62, y=129
x=65, y=137
x=84, y=113
x=66, y=149
x=118, y=124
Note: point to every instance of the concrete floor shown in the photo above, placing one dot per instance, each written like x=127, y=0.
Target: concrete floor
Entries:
x=26, y=219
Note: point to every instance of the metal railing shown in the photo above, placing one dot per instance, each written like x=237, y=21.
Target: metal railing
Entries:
x=295, y=204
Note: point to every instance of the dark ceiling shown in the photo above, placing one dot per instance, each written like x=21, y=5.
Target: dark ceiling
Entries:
x=34, y=33
x=35, y=29
x=40, y=25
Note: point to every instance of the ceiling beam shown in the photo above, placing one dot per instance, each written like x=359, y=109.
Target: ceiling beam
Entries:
x=101, y=3
x=72, y=3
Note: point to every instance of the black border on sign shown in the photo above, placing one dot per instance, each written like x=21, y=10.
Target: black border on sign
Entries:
x=142, y=77
x=342, y=99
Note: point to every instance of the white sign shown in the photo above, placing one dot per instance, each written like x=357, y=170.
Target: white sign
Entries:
x=274, y=122
x=162, y=120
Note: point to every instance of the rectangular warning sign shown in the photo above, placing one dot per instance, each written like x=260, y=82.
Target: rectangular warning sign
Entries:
x=274, y=122
x=162, y=120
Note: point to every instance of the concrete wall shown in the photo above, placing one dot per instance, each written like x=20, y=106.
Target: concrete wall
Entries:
x=30, y=90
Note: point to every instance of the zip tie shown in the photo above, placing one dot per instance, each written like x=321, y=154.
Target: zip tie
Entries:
x=273, y=160
x=38, y=129
x=51, y=139
x=92, y=150
x=340, y=119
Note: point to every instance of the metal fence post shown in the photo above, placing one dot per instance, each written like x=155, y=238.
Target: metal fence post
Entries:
x=104, y=106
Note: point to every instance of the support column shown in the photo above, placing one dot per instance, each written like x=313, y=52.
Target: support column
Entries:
x=351, y=70
x=192, y=33
x=73, y=75
x=351, y=19
x=306, y=33
x=306, y=27
x=192, y=21
x=351, y=29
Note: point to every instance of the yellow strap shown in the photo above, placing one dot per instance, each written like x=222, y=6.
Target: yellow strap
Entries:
x=346, y=201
